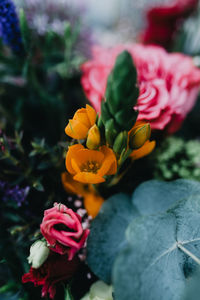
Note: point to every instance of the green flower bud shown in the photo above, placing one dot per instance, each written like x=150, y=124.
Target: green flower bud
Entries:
x=93, y=138
x=139, y=135
x=38, y=254
x=120, y=142
x=110, y=132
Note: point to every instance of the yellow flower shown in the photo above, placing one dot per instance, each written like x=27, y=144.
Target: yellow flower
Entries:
x=91, y=199
x=145, y=150
x=139, y=137
x=89, y=166
x=94, y=138
x=71, y=186
x=82, y=121
x=139, y=134
x=92, y=203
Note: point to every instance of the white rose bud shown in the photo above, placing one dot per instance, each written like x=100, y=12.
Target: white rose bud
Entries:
x=99, y=291
x=38, y=254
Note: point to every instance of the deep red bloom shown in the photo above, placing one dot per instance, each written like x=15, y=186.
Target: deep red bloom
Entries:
x=164, y=20
x=55, y=269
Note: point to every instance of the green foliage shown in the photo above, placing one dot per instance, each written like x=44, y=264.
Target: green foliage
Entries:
x=25, y=31
x=68, y=294
x=148, y=262
x=177, y=158
x=39, y=92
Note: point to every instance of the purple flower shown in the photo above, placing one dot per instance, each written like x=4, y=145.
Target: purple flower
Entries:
x=9, y=26
x=13, y=193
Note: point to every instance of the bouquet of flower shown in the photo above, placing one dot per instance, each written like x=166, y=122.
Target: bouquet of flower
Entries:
x=99, y=157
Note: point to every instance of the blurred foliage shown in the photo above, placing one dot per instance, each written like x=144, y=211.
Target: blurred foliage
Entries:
x=187, y=40
x=39, y=92
x=177, y=158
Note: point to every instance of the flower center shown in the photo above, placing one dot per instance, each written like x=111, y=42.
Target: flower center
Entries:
x=90, y=166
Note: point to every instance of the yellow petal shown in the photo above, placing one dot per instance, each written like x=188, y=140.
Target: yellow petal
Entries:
x=109, y=166
x=71, y=186
x=71, y=154
x=104, y=168
x=93, y=203
x=93, y=138
x=82, y=117
x=146, y=149
x=92, y=115
x=75, y=166
x=86, y=155
x=88, y=177
x=76, y=130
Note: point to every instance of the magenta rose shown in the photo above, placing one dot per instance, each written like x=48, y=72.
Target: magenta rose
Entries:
x=169, y=83
x=63, y=230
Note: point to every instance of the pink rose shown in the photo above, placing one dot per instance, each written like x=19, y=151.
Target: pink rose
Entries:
x=169, y=83
x=62, y=229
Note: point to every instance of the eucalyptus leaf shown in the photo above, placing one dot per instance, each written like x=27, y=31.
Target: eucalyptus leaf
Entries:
x=107, y=234
x=161, y=250
x=192, y=291
x=154, y=196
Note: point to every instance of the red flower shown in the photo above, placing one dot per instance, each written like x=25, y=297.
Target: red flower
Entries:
x=164, y=20
x=55, y=269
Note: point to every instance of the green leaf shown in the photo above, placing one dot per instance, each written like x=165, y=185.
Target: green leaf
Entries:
x=154, y=196
x=161, y=251
x=107, y=235
x=25, y=31
x=68, y=294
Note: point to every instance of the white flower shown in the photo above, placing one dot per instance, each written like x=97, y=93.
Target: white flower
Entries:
x=99, y=291
x=38, y=254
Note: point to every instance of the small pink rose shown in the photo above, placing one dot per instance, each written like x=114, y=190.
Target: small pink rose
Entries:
x=63, y=230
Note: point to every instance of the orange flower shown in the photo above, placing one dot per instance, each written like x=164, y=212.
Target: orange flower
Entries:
x=92, y=200
x=89, y=166
x=145, y=150
x=82, y=121
x=93, y=138
x=139, y=140
x=139, y=134
x=71, y=186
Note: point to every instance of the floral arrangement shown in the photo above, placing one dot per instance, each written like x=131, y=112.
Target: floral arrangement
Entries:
x=98, y=201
